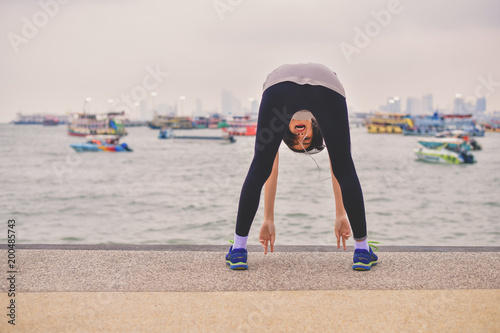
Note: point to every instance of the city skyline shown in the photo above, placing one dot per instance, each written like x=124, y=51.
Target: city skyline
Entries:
x=232, y=105
x=54, y=59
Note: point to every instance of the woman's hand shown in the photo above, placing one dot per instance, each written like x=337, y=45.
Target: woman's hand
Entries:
x=342, y=230
x=267, y=234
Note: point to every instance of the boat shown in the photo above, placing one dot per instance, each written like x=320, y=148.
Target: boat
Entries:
x=382, y=122
x=424, y=125
x=444, y=155
x=50, y=121
x=452, y=143
x=463, y=123
x=200, y=122
x=492, y=123
x=459, y=134
x=168, y=133
x=39, y=119
x=28, y=119
x=433, y=125
x=101, y=143
x=134, y=123
x=84, y=124
x=241, y=125
x=215, y=121
x=177, y=122
x=492, y=128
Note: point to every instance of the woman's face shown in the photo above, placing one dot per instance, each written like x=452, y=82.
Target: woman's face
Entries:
x=303, y=130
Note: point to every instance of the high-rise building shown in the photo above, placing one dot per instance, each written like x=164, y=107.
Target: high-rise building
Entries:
x=426, y=106
x=413, y=106
x=480, y=104
x=231, y=105
x=458, y=104
x=254, y=107
x=393, y=105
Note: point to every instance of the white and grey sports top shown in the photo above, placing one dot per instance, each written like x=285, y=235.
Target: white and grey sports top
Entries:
x=309, y=73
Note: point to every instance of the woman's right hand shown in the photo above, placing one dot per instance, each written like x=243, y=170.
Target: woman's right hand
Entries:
x=267, y=235
x=342, y=230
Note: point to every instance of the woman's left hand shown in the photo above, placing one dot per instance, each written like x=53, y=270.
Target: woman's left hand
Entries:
x=342, y=230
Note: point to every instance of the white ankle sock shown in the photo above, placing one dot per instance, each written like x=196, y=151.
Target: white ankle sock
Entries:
x=240, y=242
x=362, y=245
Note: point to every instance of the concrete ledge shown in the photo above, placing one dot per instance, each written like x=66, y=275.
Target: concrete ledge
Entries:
x=251, y=248
x=194, y=271
x=179, y=288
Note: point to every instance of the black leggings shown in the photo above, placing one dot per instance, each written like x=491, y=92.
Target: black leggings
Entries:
x=279, y=103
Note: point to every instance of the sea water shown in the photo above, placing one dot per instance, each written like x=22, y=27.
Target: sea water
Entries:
x=187, y=192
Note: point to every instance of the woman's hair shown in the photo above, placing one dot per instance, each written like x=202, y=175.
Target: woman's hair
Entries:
x=291, y=139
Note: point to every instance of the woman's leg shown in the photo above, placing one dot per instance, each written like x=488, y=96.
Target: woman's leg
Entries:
x=330, y=110
x=276, y=109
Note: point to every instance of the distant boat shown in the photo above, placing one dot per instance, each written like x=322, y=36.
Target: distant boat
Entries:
x=200, y=122
x=492, y=124
x=101, y=143
x=208, y=122
x=215, y=121
x=50, y=121
x=177, y=122
x=169, y=133
x=38, y=119
x=432, y=125
x=382, y=122
x=492, y=128
x=241, y=125
x=84, y=124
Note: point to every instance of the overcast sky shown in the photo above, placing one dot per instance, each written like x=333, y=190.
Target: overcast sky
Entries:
x=105, y=48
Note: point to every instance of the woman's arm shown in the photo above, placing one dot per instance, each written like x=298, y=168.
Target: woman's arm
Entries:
x=267, y=230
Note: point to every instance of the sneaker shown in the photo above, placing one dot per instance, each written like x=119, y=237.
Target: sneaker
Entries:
x=237, y=258
x=364, y=260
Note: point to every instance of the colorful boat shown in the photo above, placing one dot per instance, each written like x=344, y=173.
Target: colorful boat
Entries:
x=177, y=122
x=84, y=124
x=97, y=144
x=382, y=122
x=168, y=133
x=459, y=134
x=39, y=119
x=492, y=128
x=50, y=121
x=492, y=123
x=216, y=121
x=444, y=155
x=451, y=143
x=432, y=125
x=241, y=125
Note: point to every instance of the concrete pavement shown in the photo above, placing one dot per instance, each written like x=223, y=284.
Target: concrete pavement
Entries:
x=132, y=288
